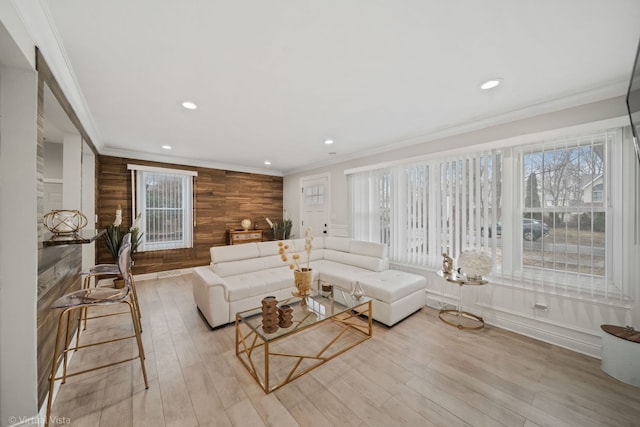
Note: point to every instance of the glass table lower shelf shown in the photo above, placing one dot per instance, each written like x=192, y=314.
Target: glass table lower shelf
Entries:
x=321, y=329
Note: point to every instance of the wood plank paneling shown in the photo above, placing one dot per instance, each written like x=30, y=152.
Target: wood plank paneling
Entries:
x=222, y=200
x=58, y=274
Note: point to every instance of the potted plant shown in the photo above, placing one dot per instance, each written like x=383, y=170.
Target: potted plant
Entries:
x=281, y=230
x=303, y=276
x=113, y=237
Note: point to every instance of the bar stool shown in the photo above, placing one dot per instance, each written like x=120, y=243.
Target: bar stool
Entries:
x=83, y=299
x=100, y=270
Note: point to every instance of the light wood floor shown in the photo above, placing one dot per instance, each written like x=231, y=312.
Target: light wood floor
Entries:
x=418, y=373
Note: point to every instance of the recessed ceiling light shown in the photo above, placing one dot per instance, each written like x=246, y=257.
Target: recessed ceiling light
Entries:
x=328, y=141
x=490, y=84
x=166, y=147
x=189, y=105
x=267, y=162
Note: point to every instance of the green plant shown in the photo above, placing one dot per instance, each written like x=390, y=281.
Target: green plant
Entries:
x=113, y=240
x=281, y=230
x=113, y=236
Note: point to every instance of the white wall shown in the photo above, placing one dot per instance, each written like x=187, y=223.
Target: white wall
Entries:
x=571, y=323
x=19, y=242
x=88, y=203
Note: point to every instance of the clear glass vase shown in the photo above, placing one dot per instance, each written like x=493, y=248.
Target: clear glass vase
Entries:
x=356, y=290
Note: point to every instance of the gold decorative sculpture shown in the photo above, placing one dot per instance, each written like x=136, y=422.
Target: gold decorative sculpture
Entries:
x=447, y=264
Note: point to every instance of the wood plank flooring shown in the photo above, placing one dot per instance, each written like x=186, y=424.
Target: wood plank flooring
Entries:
x=421, y=372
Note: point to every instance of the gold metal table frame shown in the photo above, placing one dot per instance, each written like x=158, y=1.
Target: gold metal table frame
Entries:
x=253, y=344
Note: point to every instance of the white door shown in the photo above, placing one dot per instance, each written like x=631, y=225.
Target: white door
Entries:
x=314, y=205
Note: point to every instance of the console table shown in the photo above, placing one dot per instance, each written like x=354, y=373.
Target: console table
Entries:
x=235, y=237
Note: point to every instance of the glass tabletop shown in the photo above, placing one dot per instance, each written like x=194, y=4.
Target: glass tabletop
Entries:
x=314, y=309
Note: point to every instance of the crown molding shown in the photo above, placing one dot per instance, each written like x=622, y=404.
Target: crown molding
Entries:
x=37, y=19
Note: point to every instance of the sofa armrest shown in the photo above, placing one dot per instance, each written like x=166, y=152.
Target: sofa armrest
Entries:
x=210, y=294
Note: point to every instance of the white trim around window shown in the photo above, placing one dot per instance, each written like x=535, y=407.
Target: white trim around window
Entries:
x=162, y=200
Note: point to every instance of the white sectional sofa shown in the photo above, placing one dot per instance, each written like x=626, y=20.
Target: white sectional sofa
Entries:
x=239, y=276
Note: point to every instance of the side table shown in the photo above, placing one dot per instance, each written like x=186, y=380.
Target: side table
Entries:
x=457, y=313
x=621, y=353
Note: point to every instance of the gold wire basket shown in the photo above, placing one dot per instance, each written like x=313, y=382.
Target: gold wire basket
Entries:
x=64, y=221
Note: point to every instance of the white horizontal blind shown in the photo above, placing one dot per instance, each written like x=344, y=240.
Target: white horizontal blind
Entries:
x=164, y=201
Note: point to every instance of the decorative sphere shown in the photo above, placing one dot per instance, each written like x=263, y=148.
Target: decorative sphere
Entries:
x=246, y=223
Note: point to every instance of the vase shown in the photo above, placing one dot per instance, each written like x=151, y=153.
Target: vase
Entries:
x=285, y=316
x=269, y=314
x=118, y=283
x=303, y=279
x=356, y=290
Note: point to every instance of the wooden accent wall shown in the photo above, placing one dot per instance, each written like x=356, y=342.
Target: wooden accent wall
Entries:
x=222, y=200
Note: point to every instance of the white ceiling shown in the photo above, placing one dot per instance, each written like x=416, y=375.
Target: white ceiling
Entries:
x=274, y=79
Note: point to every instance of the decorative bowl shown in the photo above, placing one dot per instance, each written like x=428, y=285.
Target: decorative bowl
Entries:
x=64, y=221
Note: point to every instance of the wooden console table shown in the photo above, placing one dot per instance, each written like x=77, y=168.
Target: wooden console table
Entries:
x=235, y=237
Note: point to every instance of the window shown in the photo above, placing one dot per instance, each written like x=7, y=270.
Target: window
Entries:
x=566, y=233
x=426, y=209
x=163, y=199
x=551, y=214
x=314, y=195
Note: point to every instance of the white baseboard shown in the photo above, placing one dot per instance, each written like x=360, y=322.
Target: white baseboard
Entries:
x=571, y=338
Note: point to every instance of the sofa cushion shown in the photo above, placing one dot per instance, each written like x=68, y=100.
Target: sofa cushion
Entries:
x=339, y=274
x=234, y=252
x=272, y=261
x=317, y=251
x=377, y=250
x=242, y=286
x=391, y=285
x=362, y=261
x=231, y=268
x=271, y=248
x=337, y=243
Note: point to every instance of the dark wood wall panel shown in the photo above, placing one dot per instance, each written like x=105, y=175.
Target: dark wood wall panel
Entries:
x=58, y=274
x=222, y=200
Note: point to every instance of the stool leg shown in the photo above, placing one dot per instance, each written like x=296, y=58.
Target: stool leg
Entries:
x=136, y=303
x=66, y=346
x=139, y=341
x=54, y=363
x=85, y=285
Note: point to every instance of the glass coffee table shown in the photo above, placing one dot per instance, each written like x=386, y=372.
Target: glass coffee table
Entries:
x=321, y=329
